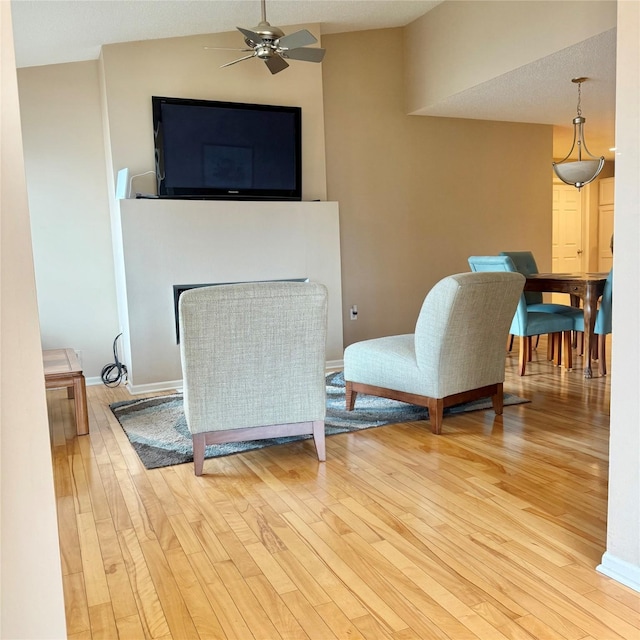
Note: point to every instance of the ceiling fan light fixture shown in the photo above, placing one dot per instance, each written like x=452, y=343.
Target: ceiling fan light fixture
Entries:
x=272, y=46
x=579, y=172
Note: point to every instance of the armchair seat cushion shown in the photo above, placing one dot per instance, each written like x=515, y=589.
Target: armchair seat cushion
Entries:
x=385, y=362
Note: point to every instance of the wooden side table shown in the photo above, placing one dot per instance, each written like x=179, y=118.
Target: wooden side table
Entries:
x=62, y=369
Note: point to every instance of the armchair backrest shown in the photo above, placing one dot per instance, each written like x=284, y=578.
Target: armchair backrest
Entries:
x=525, y=263
x=503, y=263
x=462, y=329
x=253, y=354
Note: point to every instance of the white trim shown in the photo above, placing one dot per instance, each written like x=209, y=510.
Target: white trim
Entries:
x=176, y=385
x=154, y=387
x=620, y=570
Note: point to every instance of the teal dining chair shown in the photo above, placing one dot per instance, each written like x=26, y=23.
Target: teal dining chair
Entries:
x=525, y=263
x=528, y=323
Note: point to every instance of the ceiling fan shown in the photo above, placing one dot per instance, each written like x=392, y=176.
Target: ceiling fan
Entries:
x=271, y=45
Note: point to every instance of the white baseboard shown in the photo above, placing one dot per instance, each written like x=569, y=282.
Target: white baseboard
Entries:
x=169, y=385
x=620, y=570
x=176, y=385
x=141, y=388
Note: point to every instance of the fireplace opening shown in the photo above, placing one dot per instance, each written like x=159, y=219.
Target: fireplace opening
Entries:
x=179, y=289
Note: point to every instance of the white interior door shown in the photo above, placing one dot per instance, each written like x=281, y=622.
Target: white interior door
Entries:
x=567, y=249
x=605, y=231
x=605, y=223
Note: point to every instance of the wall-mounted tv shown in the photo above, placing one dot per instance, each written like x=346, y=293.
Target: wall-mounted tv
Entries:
x=227, y=150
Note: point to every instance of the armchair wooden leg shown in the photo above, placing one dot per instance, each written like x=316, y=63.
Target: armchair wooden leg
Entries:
x=198, y=452
x=436, y=411
x=523, y=353
x=350, y=396
x=318, y=438
x=510, y=342
x=497, y=400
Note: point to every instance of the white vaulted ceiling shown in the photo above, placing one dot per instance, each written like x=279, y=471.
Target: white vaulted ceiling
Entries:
x=57, y=31
x=53, y=31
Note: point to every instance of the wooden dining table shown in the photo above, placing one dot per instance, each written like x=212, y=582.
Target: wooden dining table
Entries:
x=587, y=287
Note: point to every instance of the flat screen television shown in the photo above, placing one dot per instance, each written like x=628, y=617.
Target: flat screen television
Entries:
x=227, y=150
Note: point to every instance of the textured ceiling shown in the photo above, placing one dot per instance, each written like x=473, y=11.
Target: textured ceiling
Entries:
x=56, y=31
x=52, y=31
x=542, y=92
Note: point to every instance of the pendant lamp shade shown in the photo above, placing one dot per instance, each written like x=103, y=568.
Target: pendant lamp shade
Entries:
x=578, y=172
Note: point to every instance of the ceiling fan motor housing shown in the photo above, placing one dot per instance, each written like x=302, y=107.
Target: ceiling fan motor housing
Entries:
x=268, y=32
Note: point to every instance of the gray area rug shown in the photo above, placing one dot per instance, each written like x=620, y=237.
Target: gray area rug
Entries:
x=157, y=429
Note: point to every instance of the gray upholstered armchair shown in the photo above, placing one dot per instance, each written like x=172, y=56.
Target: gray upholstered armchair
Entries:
x=253, y=362
x=457, y=353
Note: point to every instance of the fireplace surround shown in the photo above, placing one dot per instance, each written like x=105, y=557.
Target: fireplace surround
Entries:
x=158, y=243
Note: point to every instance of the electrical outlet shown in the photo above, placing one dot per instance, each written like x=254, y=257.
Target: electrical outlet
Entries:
x=354, y=312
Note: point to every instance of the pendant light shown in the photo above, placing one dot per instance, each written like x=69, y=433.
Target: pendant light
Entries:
x=579, y=172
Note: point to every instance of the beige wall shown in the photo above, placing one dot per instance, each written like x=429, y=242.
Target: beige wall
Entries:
x=404, y=184
x=490, y=39
x=31, y=604
x=412, y=207
x=79, y=116
x=418, y=195
x=64, y=160
x=183, y=68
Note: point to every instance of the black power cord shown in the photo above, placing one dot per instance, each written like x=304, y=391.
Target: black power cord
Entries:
x=114, y=373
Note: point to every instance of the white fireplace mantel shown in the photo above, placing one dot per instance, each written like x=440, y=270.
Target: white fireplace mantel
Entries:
x=159, y=243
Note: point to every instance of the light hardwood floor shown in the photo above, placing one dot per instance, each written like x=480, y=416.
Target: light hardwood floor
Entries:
x=492, y=530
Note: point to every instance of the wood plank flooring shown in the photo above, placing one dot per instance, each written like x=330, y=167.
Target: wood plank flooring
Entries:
x=490, y=531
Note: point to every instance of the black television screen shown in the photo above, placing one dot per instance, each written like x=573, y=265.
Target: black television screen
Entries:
x=227, y=150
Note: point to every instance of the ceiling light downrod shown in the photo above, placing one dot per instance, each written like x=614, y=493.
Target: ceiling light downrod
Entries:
x=579, y=172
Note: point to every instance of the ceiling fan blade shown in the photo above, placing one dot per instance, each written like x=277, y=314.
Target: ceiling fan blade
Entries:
x=275, y=64
x=226, y=49
x=306, y=54
x=228, y=64
x=295, y=40
x=252, y=36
